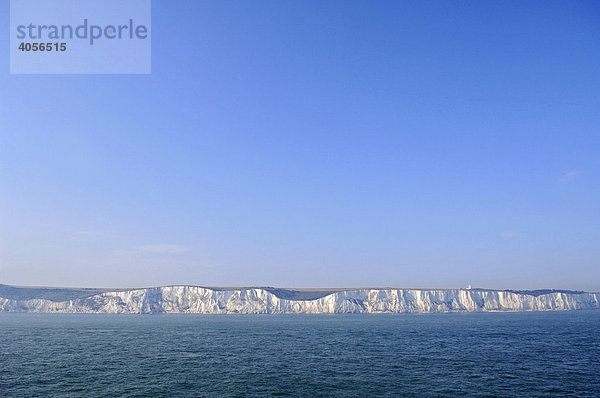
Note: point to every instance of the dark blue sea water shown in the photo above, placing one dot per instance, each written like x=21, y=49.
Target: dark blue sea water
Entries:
x=494, y=354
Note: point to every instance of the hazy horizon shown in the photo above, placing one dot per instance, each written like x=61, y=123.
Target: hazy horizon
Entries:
x=305, y=288
x=304, y=144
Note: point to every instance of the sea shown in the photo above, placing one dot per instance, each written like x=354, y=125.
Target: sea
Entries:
x=533, y=354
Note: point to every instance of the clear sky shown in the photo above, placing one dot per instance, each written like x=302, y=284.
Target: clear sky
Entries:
x=312, y=144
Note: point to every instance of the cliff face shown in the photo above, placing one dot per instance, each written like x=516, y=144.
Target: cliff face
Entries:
x=198, y=300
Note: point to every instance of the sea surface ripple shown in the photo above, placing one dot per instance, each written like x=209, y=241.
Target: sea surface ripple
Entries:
x=539, y=354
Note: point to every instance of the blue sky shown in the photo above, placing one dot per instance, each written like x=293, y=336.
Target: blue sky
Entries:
x=311, y=144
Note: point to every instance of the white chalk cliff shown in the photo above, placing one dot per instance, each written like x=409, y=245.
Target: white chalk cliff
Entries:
x=199, y=300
